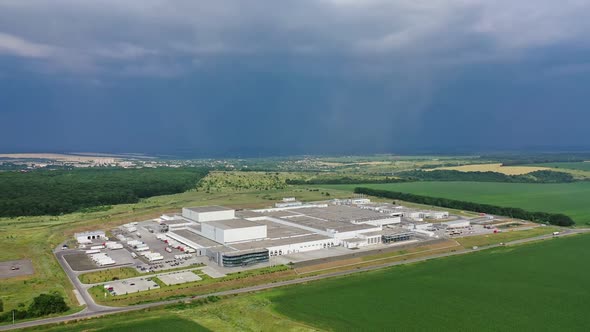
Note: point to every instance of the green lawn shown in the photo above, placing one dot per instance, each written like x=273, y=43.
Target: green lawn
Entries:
x=537, y=287
x=572, y=199
x=134, y=322
x=156, y=325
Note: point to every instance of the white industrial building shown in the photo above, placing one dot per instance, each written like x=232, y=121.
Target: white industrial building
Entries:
x=253, y=236
x=457, y=224
x=303, y=244
x=208, y=213
x=392, y=219
x=421, y=215
x=288, y=202
x=88, y=237
x=351, y=201
x=233, y=230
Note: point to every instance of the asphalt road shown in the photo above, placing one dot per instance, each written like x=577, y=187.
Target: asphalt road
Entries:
x=95, y=310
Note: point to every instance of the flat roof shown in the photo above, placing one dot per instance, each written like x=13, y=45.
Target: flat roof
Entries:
x=340, y=226
x=248, y=214
x=394, y=230
x=373, y=233
x=452, y=222
x=232, y=223
x=196, y=238
x=281, y=213
x=175, y=222
x=209, y=208
x=275, y=230
x=278, y=242
x=341, y=213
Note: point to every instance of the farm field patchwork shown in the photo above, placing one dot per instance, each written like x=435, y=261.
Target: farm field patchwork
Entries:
x=567, y=198
x=583, y=166
x=508, y=170
x=536, y=287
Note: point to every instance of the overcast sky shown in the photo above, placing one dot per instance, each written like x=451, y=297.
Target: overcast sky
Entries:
x=294, y=77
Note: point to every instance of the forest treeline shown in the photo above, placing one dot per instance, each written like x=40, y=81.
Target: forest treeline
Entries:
x=526, y=159
x=45, y=192
x=441, y=175
x=542, y=217
x=42, y=305
x=452, y=175
x=344, y=180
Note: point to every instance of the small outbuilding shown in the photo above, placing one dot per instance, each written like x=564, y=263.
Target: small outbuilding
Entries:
x=88, y=237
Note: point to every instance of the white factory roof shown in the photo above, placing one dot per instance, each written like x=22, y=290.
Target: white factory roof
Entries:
x=456, y=222
x=278, y=242
x=233, y=223
x=175, y=222
x=211, y=208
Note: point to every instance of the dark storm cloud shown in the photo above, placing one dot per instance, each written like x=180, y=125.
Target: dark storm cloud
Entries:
x=340, y=76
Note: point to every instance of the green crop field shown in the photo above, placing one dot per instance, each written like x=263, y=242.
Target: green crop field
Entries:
x=533, y=287
x=582, y=166
x=537, y=287
x=567, y=198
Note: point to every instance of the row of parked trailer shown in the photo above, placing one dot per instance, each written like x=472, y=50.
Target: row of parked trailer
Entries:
x=174, y=244
x=139, y=246
x=130, y=227
x=183, y=256
x=102, y=259
x=113, y=245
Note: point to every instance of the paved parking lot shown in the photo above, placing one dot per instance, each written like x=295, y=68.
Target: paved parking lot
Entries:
x=79, y=260
x=213, y=273
x=159, y=246
x=10, y=269
x=178, y=278
x=132, y=286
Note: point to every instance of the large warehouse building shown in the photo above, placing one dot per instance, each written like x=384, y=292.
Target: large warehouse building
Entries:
x=208, y=213
x=246, y=237
x=233, y=230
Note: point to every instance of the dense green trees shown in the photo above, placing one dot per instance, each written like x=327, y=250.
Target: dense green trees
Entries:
x=512, y=159
x=343, y=180
x=44, y=304
x=442, y=175
x=63, y=191
x=452, y=175
x=542, y=217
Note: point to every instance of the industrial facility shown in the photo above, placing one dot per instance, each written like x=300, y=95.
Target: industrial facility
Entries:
x=237, y=238
x=230, y=238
